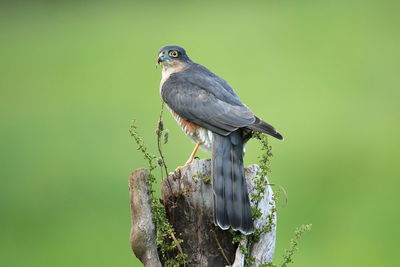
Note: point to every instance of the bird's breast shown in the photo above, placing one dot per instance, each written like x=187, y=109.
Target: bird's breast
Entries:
x=197, y=133
x=188, y=127
x=170, y=69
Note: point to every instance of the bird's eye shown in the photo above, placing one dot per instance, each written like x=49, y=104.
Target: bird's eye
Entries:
x=173, y=53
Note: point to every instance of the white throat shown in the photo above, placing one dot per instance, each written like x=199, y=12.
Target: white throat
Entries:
x=168, y=69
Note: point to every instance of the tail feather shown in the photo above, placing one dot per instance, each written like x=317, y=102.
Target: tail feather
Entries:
x=231, y=200
x=219, y=192
x=263, y=127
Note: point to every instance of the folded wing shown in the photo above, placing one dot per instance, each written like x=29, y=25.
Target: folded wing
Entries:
x=212, y=108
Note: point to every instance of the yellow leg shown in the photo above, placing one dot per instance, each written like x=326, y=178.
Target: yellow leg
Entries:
x=191, y=158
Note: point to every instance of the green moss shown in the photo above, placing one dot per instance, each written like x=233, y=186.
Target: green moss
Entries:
x=205, y=178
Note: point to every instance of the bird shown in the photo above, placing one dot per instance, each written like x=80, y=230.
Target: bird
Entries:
x=210, y=112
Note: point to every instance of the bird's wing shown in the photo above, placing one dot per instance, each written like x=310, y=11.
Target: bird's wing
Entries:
x=213, y=108
x=203, y=77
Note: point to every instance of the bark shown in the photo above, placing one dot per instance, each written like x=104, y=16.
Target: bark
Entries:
x=188, y=199
x=143, y=230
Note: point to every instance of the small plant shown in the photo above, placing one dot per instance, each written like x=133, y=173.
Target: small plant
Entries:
x=293, y=247
x=261, y=184
x=167, y=241
x=294, y=244
x=260, y=187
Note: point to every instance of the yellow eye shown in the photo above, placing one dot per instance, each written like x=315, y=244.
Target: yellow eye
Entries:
x=173, y=53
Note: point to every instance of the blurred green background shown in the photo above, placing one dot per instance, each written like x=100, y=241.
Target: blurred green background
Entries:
x=74, y=74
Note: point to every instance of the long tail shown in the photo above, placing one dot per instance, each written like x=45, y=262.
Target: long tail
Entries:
x=263, y=127
x=231, y=199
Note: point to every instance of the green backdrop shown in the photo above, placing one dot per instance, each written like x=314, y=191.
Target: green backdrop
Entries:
x=74, y=74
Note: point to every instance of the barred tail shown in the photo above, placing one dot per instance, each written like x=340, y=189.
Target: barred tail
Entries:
x=231, y=199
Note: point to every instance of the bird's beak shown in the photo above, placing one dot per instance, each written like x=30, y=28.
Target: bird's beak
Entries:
x=160, y=58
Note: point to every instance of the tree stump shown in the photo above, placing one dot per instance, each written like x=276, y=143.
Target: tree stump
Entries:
x=188, y=199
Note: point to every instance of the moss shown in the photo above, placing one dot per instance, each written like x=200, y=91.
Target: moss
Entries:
x=205, y=178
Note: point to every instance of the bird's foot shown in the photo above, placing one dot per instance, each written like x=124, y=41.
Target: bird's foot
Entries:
x=188, y=162
x=179, y=168
x=191, y=158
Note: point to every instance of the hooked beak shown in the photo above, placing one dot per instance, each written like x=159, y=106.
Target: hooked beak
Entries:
x=160, y=58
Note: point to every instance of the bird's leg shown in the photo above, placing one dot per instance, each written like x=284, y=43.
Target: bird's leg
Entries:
x=191, y=158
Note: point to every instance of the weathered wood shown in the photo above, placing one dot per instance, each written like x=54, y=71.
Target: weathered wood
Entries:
x=263, y=250
x=192, y=216
x=143, y=231
x=189, y=209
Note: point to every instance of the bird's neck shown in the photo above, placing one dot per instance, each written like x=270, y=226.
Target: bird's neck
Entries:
x=170, y=68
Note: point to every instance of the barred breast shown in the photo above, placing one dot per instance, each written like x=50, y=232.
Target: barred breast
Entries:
x=195, y=132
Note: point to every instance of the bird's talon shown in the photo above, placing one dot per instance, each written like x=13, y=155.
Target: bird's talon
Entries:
x=186, y=164
x=179, y=168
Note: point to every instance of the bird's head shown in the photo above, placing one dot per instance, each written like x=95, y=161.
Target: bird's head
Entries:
x=172, y=55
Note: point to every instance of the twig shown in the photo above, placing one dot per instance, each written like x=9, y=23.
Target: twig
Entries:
x=280, y=187
x=160, y=129
x=220, y=248
x=176, y=243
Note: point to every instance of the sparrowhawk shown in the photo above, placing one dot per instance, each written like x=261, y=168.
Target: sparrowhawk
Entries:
x=210, y=113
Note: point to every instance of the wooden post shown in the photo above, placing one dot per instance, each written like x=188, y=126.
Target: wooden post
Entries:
x=189, y=207
x=143, y=230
